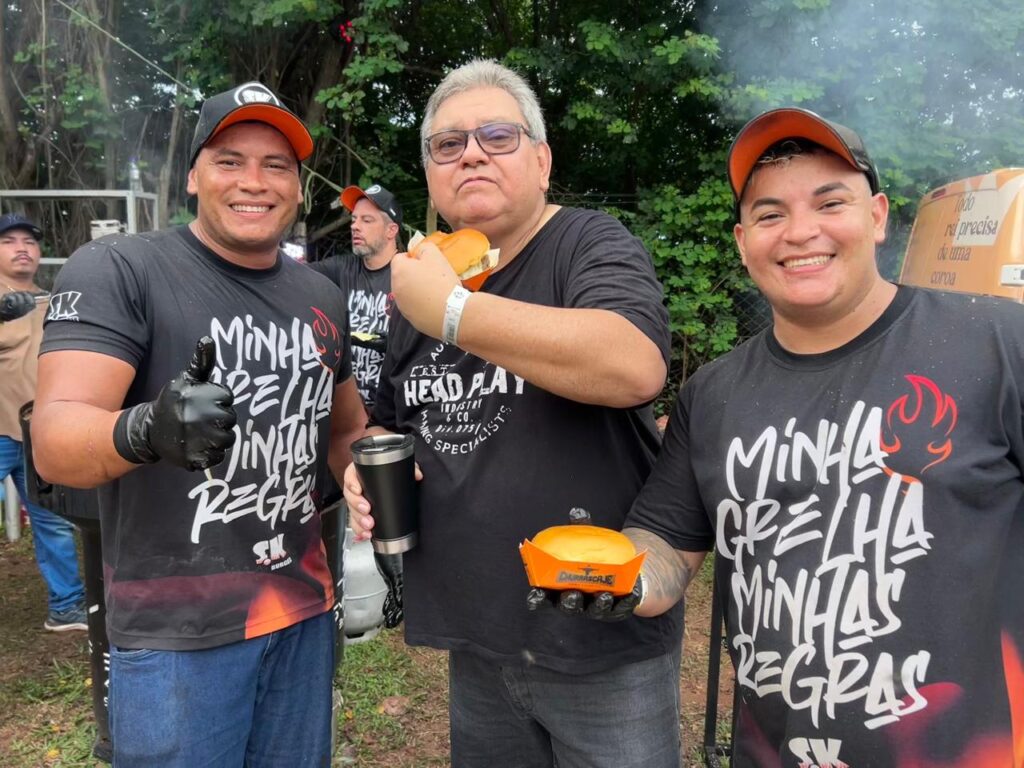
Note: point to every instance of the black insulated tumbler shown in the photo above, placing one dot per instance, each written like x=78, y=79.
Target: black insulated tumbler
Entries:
x=386, y=466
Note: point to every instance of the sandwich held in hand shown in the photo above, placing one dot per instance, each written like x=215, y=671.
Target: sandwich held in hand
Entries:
x=583, y=557
x=467, y=250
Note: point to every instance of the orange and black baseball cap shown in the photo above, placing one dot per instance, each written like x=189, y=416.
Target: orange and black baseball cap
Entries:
x=769, y=128
x=249, y=102
x=378, y=196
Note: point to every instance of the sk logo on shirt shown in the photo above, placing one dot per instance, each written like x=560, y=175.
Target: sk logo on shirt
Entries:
x=269, y=551
x=63, y=306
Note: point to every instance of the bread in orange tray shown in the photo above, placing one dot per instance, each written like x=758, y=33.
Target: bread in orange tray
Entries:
x=584, y=557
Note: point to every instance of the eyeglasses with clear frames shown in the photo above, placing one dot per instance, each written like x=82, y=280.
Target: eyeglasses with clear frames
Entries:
x=493, y=138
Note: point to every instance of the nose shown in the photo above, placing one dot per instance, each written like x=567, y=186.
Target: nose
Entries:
x=802, y=225
x=251, y=177
x=474, y=153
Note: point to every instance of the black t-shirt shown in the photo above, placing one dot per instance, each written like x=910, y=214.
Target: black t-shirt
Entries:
x=191, y=562
x=369, y=310
x=867, y=508
x=503, y=459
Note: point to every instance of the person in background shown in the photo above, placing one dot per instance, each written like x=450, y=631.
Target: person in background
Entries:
x=366, y=279
x=858, y=469
x=203, y=379
x=21, y=330
x=527, y=399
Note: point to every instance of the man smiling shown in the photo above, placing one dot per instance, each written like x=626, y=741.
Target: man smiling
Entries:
x=217, y=588
x=857, y=467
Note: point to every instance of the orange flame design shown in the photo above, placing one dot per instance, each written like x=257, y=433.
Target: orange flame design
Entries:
x=925, y=398
x=1013, y=669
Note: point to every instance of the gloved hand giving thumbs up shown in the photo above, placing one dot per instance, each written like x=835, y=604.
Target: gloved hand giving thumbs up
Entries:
x=190, y=422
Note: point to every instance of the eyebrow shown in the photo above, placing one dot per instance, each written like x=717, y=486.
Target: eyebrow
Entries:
x=485, y=121
x=761, y=201
x=228, y=152
x=824, y=189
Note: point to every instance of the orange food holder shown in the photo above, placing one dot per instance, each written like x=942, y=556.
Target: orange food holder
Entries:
x=583, y=557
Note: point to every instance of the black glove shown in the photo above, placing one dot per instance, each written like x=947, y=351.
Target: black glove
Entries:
x=190, y=422
x=602, y=606
x=390, y=569
x=16, y=304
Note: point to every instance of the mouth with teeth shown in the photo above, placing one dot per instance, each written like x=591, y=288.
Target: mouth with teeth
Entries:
x=807, y=261
x=239, y=208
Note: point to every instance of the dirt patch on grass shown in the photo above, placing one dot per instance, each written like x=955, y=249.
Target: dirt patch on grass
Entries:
x=32, y=660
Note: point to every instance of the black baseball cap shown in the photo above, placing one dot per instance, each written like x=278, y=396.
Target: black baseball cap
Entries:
x=378, y=196
x=769, y=128
x=252, y=101
x=11, y=221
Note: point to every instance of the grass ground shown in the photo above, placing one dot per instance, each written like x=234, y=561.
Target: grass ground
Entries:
x=393, y=711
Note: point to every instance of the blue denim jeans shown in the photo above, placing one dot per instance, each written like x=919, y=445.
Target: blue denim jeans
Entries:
x=524, y=716
x=52, y=535
x=259, y=703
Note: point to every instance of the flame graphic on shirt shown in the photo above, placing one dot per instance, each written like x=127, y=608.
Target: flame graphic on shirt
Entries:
x=328, y=340
x=925, y=401
x=913, y=738
x=1013, y=669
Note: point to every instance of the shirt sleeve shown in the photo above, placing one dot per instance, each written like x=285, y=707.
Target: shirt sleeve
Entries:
x=612, y=270
x=670, y=505
x=98, y=305
x=328, y=267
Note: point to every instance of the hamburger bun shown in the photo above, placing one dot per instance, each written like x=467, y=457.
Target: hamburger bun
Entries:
x=586, y=544
x=468, y=251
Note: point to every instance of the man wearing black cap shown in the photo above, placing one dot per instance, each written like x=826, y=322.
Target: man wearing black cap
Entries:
x=858, y=469
x=366, y=280
x=218, y=592
x=21, y=330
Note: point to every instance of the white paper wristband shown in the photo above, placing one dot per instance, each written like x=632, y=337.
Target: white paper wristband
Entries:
x=453, y=314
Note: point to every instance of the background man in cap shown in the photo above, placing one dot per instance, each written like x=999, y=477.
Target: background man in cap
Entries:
x=858, y=469
x=366, y=280
x=218, y=591
x=530, y=400
x=52, y=536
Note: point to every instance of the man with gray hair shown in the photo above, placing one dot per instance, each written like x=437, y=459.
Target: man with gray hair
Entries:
x=528, y=398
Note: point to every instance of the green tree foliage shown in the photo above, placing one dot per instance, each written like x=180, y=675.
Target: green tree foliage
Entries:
x=641, y=101
x=935, y=88
x=630, y=92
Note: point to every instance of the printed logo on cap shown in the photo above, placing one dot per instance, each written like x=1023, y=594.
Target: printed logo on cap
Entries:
x=372, y=190
x=255, y=93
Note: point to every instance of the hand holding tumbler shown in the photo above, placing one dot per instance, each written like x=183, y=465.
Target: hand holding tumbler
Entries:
x=386, y=466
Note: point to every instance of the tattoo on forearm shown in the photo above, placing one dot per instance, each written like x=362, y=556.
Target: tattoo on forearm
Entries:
x=665, y=572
